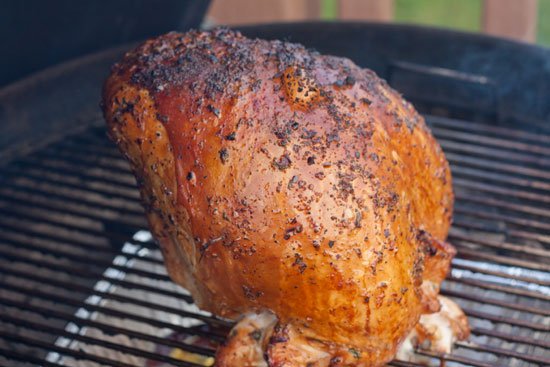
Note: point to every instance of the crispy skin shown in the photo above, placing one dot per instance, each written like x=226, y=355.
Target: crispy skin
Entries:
x=279, y=179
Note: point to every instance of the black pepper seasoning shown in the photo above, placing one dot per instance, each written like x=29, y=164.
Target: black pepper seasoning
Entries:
x=349, y=80
x=224, y=155
x=366, y=101
x=282, y=163
x=215, y=111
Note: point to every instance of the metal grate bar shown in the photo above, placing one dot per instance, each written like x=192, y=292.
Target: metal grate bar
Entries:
x=497, y=166
x=542, y=238
x=504, y=352
x=87, y=147
x=484, y=140
x=501, y=274
x=106, y=295
x=74, y=171
x=54, y=234
x=465, y=247
x=398, y=363
x=48, y=312
x=499, y=131
x=139, y=272
x=76, y=185
x=121, y=235
x=92, y=142
x=65, y=351
x=494, y=153
x=454, y=358
x=99, y=261
x=492, y=189
x=512, y=207
x=457, y=237
x=50, y=193
x=504, y=320
x=57, y=235
x=60, y=299
x=485, y=300
x=500, y=178
x=473, y=255
x=529, y=223
x=100, y=174
x=500, y=229
x=501, y=288
x=32, y=203
x=100, y=158
x=25, y=357
x=82, y=258
x=44, y=328
x=44, y=217
x=510, y=337
x=114, y=166
x=83, y=272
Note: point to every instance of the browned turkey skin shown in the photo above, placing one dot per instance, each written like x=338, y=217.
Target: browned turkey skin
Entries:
x=290, y=186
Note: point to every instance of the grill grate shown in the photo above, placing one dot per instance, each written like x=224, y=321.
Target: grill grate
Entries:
x=81, y=283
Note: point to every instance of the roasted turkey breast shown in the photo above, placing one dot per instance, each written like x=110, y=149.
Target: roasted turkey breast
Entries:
x=296, y=188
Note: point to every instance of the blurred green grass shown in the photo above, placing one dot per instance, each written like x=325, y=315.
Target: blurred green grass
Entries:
x=543, y=30
x=455, y=14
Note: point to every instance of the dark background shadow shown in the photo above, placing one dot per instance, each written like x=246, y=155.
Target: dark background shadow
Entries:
x=35, y=34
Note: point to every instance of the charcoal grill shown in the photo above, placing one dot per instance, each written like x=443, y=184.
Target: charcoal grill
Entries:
x=82, y=282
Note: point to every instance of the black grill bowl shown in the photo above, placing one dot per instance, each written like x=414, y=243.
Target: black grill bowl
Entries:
x=83, y=284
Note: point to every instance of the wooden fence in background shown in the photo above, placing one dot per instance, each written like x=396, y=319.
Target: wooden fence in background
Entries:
x=516, y=19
